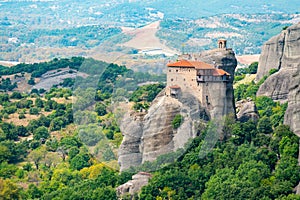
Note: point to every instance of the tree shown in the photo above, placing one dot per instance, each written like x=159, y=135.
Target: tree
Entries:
x=253, y=68
x=40, y=133
x=80, y=161
x=37, y=156
x=56, y=124
x=73, y=152
x=100, y=109
x=34, y=111
x=264, y=125
x=39, y=103
x=34, y=192
x=5, y=153
x=31, y=81
x=16, y=95
x=108, y=193
x=9, y=190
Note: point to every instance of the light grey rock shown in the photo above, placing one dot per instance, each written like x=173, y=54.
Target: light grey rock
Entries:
x=158, y=132
x=247, y=111
x=151, y=135
x=280, y=52
x=277, y=85
x=292, y=114
x=223, y=59
x=135, y=185
x=129, y=153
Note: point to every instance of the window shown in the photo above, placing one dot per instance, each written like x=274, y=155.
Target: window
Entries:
x=184, y=79
x=171, y=79
x=176, y=70
x=170, y=70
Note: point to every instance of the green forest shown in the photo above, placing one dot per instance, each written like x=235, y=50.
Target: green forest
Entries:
x=52, y=147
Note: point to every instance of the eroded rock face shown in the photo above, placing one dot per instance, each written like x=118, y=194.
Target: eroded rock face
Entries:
x=247, y=111
x=157, y=130
x=277, y=86
x=135, y=185
x=148, y=136
x=129, y=152
x=292, y=114
x=280, y=52
x=223, y=59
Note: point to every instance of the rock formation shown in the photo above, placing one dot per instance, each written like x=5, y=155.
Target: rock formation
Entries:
x=135, y=185
x=277, y=85
x=246, y=110
x=146, y=136
x=149, y=135
x=282, y=52
x=292, y=115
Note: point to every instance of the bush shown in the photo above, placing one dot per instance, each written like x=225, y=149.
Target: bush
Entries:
x=31, y=81
x=253, y=68
x=40, y=132
x=34, y=111
x=238, y=78
x=273, y=71
x=16, y=95
x=177, y=121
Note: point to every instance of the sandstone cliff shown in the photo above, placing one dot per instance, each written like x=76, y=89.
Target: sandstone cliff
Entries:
x=133, y=186
x=282, y=52
x=277, y=85
x=223, y=59
x=246, y=110
x=149, y=135
x=292, y=115
x=146, y=136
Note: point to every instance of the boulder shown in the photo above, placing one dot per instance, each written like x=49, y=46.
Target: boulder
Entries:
x=135, y=185
x=247, y=111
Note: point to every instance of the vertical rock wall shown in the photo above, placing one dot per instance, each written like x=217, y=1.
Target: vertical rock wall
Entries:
x=148, y=136
x=282, y=52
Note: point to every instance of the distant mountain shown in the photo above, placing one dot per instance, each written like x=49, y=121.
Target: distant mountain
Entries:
x=41, y=30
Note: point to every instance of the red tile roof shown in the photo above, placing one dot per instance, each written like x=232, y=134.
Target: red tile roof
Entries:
x=220, y=72
x=191, y=64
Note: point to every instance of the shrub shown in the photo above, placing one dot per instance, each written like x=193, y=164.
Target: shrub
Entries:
x=273, y=71
x=177, y=121
x=34, y=111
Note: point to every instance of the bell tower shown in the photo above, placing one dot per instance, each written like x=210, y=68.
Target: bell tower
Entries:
x=222, y=43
